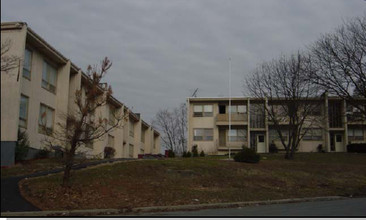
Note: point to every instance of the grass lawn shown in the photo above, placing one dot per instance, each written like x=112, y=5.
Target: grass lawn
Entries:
x=29, y=167
x=33, y=166
x=181, y=181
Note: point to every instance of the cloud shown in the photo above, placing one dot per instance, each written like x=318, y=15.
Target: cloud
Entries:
x=163, y=49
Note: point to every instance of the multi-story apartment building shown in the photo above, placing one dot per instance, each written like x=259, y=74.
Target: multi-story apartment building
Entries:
x=44, y=84
x=209, y=118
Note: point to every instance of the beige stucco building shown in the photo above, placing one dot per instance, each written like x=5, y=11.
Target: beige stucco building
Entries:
x=44, y=83
x=332, y=125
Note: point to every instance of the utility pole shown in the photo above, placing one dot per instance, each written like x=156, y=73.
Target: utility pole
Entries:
x=229, y=107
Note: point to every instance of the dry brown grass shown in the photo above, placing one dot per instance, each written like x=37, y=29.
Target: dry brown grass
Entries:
x=200, y=180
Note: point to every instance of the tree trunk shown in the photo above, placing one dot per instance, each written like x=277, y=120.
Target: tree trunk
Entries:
x=67, y=174
x=287, y=155
x=69, y=164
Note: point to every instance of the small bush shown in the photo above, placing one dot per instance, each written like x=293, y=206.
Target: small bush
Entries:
x=247, y=155
x=109, y=152
x=43, y=153
x=320, y=149
x=194, y=151
x=171, y=153
x=189, y=154
x=202, y=154
x=273, y=148
x=356, y=148
x=22, y=146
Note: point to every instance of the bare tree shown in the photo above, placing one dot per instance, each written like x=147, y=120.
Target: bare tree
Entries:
x=8, y=62
x=82, y=125
x=173, y=125
x=339, y=60
x=282, y=83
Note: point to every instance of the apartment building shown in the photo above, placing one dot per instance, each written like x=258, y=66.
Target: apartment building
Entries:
x=44, y=84
x=334, y=125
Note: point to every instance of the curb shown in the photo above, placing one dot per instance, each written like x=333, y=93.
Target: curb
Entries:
x=101, y=212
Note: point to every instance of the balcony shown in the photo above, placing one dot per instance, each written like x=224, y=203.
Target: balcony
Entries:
x=356, y=118
x=236, y=119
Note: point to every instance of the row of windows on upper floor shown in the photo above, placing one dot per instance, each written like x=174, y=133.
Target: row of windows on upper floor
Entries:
x=47, y=114
x=207, y=110
x=49, y=72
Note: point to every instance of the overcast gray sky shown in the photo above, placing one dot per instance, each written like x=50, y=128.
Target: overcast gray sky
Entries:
x=163, y=49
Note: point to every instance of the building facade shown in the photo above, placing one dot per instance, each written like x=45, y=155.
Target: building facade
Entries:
x=44, y=84
x=333, y=126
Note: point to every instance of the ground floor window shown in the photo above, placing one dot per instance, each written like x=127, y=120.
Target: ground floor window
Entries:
x=274, y=136
x=315, y=134
x=203, y=134
x=23, y=111
x=236, y=135
x=355, y=134
x=45, y=120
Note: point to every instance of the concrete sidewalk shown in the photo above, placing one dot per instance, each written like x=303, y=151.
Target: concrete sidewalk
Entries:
x=12, y=201
x=157, y=210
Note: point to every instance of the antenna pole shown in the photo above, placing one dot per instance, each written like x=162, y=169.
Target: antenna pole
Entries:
x=229, y=107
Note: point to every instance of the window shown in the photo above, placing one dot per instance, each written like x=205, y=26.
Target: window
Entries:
x=202, y=110
x=132, y=129
x=274, y=136
x=355, y=134
x=314, y=135
x=238, y=109
x=203, y=134
x=49, y=76
x=316, y=110
x=112, y=117
x=45, y=121
x=110, y=141
x=23, y=111
x=278, y=110
x=27, y=65
x=237, y=135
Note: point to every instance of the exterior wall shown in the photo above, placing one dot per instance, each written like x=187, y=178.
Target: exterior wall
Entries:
x=37, y=95
x=156, y=149
x=137, y=139
x=208, y=147
x=10, y=95
x=10, y=86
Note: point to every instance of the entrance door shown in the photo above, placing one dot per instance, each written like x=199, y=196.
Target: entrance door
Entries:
x=222, y=138
x=261, y=145
x=338, y=143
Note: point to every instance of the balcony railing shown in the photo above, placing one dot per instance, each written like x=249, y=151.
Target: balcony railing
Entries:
x=234, y=118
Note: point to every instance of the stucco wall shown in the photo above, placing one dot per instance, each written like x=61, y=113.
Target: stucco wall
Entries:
x=10, y=86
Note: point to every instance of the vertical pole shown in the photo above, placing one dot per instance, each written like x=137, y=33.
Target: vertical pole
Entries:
x=229, y=106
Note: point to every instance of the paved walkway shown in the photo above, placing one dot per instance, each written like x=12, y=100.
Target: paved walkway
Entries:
x=12, y=201
x=344, y=207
